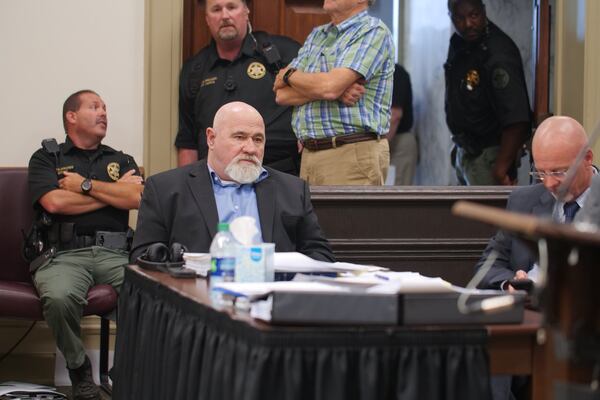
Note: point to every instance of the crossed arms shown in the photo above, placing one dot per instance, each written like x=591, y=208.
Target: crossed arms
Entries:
x=70, y=200
x=343, y=84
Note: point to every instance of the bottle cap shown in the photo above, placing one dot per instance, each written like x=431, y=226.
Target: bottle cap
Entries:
x=223, y=227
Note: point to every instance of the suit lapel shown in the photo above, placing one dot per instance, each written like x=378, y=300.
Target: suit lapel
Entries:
x=265, y=198
x=545, y=205
x=201, y=187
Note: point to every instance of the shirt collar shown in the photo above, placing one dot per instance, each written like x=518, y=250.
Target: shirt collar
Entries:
x=216, y=180
x=345, y=24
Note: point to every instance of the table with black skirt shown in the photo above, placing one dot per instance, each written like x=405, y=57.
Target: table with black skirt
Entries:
x=171, y=344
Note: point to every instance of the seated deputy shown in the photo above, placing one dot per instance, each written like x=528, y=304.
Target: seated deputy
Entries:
x=184, y=205
x=80, y=188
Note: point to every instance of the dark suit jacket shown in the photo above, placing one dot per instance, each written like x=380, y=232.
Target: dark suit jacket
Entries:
x=179, y=206
x=591, y=212
x=513, y=255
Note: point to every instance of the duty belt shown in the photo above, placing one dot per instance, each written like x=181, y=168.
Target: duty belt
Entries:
x=337, y=141
x=109, y=240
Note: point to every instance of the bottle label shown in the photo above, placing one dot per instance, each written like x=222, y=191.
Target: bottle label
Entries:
x=223, y=268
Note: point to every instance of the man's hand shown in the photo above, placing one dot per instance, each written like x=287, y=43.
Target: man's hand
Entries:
x=519, y=275
x=499, y=172
x=353, y=93
x=279, y=83
x=129, y=177
x=71, y=182
x=300, y=146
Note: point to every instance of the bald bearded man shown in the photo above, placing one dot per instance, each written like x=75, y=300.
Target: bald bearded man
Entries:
x=184, y=205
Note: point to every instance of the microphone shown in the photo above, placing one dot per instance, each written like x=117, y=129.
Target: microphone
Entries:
x=229, y=84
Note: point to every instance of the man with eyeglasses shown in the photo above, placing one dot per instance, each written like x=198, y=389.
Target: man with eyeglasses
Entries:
x=556, y=144
x=487, y=105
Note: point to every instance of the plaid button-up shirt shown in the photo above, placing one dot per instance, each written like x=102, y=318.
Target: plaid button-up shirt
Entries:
x=364, y=44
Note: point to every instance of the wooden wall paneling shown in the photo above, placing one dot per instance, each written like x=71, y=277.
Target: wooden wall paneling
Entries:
x=406, y=229
x=265, y=16
x=301, y=16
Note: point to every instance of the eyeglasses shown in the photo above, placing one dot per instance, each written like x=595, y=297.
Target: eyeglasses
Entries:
x=552, y=174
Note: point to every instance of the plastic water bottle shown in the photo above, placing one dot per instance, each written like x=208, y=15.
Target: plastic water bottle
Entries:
x=223, y=251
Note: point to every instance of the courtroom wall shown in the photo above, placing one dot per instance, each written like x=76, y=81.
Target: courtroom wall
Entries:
x=51, y=49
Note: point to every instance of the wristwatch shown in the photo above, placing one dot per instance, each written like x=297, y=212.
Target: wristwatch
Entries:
x=286, y=76
x=86, y=186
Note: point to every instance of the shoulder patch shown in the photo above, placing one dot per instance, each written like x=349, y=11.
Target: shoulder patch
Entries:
x=500, y=78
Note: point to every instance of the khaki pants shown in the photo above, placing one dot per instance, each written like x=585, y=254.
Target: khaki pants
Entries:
x=63, y=283
x=362, y=163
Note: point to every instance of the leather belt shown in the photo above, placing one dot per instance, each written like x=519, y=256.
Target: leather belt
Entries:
x=337, y=141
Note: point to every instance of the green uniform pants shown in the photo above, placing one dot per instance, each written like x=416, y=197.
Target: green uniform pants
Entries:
x=63, y=283
x=476, y=170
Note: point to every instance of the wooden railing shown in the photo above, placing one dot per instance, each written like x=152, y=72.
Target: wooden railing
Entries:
x=406, y=228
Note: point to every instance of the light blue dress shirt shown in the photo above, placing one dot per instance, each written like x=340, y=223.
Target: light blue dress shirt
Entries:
x=236, y=200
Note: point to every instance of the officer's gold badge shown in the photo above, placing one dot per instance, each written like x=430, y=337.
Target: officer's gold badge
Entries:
x=113, y=170
x=256, y=70
x=472, y=79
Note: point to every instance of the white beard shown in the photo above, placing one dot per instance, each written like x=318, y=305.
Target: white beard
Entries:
x=243, y=173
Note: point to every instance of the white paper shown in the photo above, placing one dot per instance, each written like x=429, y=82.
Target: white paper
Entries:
x=15, y=387
x=298, y=262
x=258, y=289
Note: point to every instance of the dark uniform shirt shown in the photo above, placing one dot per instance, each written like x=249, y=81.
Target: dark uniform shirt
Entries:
x=485, y=89
x=208, y=82
x=104, y=164
x=402, y=97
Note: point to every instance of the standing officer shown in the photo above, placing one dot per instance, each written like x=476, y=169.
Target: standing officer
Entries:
x=238, y=65
x=487, y=106
x=83, y=190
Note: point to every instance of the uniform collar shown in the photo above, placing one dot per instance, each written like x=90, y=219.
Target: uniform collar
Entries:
x=248, y=49
x=69, y=146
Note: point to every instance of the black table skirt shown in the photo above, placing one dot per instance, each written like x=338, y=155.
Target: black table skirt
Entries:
x=170, y=347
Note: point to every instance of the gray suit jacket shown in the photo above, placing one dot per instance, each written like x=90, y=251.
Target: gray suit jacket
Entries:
x=591, y=212
x=513, y=255
x=179, y=206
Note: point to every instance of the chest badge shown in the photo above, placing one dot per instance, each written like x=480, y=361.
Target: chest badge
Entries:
x=113, y=170
x=472, y=79
x=256, y=70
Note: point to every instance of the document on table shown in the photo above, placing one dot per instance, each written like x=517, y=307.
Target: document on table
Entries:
x=298, y=262
x=254, y=290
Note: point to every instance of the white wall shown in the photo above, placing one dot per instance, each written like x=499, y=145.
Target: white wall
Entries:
x=50, y=49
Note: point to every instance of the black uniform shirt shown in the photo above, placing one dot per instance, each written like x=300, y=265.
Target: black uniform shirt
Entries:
x=402, y=97
x=208, y=82
x=104, y=164
x=485, y=89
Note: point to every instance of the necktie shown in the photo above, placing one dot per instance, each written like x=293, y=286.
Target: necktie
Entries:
x=571, y=209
